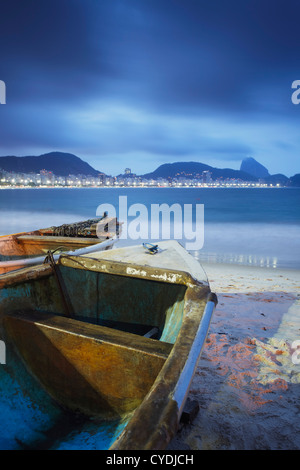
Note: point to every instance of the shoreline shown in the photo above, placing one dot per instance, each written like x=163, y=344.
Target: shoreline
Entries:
x=223, y=276
x=229, y=186
x=246, y=382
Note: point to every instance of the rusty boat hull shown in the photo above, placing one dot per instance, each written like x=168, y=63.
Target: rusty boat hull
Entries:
x=29, y=248
x=101, y=349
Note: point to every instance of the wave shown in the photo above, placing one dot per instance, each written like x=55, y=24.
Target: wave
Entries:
x=259, y=244
x=23, y=221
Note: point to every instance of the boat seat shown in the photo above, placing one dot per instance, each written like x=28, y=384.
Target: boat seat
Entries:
x=87, y=367
x=97, y=333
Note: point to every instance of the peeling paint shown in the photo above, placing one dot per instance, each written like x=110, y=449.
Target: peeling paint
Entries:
x=136, y=272
x=171, y=277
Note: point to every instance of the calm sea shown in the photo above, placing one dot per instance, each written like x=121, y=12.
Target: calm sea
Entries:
x=259, y=227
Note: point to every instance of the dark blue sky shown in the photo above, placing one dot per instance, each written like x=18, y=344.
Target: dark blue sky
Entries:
x=137, y=83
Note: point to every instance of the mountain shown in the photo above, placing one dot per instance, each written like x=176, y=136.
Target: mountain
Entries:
x=60, y=163
x=295, y=180
x=64, y=164
x=278, y=179
x=194, y=170
x=251, y=166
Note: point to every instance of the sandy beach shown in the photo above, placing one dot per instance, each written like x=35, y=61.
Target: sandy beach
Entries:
x=247, y=382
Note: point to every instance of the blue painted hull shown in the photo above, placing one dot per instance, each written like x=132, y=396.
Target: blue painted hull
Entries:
x=32, y=420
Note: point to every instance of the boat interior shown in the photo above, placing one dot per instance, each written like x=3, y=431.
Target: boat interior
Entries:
x=34, y=244
x=102, y=337
x=90, y=339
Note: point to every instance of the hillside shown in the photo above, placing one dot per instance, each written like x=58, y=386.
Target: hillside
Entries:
x=295, y=180
x=60, y=163
x=194, y=170
x=64, y=164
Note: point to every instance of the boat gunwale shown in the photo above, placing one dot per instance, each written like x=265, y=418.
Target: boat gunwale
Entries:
x=38, y=238
x=170, y=276
x=135, y=270
x=12, y=278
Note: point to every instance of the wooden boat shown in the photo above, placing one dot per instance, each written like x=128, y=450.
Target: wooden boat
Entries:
x=101, y=351
x=28, y=248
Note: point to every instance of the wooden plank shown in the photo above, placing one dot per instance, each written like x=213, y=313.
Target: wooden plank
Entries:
x=96, y=332
x=93, y=262
x=25, y=274
x=86, y=367
x=45, y=239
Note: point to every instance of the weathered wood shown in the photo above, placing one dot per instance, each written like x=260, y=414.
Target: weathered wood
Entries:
x=164, y=275
x=101, y=370
x=24, y=275
x=87, y=367
x=56, y=241
x=27, y=245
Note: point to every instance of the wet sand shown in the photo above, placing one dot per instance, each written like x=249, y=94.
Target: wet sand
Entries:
x=247, y=383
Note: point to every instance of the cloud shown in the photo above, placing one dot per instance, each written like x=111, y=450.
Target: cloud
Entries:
x=150, y=82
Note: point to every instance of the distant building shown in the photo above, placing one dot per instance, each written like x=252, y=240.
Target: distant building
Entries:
x=127, y=171
x=47, y=177
x=101, y=178
x=206, y=177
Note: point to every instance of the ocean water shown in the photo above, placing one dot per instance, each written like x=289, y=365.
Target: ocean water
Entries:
x=259, y=226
